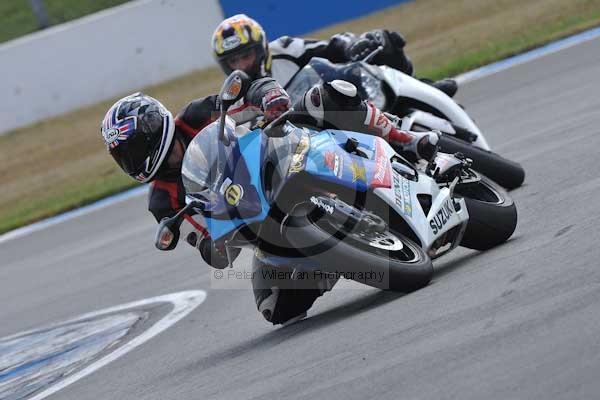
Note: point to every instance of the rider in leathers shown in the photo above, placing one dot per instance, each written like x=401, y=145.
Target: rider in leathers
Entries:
x=149, y=144
x=239, y=42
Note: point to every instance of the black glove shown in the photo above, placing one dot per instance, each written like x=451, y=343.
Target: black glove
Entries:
x=369, y=41
x=392, y=52
x=337, y=49
x=274, y=103
x=214, y=254
x=268, y=95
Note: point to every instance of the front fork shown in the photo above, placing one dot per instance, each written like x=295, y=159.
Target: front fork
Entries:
x=346, y=215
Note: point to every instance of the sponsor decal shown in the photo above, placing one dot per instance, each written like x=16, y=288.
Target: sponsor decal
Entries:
x=333, y=162
x=402, y=194
x=234, y=194
x=442, y=217
x=359, y=172
x=381, y=177
x=298, y=158
x=231, y=42
x=119, y=132
x=382, y=122
x=378, y=120
x=406, y=196
x=319, y=203
x=110, y=135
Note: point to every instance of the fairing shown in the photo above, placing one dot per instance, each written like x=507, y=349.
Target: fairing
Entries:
x=236, y=195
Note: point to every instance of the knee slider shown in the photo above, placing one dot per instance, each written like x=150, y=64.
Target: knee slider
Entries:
x=344, y=88
x=267, y=306
x=340, y=95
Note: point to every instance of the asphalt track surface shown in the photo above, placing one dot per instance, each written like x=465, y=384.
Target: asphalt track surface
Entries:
x=520, y=321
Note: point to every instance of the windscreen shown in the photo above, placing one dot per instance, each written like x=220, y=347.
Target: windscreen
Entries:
x=205, y=162
x=306, y=78
x=318, y=70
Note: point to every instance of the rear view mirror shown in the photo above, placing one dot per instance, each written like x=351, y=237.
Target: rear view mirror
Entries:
x=234, y=88
x=167, y=234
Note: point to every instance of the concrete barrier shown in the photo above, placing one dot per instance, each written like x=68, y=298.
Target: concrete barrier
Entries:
x=139, y=43
x=103, y=55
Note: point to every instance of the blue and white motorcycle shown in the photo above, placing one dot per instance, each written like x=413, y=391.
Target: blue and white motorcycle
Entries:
x=344, y=200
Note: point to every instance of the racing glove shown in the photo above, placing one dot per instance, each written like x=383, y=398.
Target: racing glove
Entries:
x=369, y=41
x=392, y=53
x=268, y=95
x=274, y=103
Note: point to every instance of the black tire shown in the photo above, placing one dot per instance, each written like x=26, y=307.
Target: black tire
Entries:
x=492, y=214
x=506, y=173
x=350, y=258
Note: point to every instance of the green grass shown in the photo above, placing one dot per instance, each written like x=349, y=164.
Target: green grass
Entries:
x=71, y=197
x=77, y=169
x=501, y=49
x=17, y=18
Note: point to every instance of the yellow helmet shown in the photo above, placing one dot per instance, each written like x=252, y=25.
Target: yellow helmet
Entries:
x=238, y=39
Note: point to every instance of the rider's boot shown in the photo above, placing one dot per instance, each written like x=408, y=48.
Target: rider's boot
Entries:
x=283, y=297
x=284, y=306
x=446, y=85
x=423, y=145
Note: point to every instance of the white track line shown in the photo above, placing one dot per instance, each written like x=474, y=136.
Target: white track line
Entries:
x=183, y=304
x=461, y=79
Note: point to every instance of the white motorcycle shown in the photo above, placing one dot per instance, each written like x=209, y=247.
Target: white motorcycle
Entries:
x=421, y=107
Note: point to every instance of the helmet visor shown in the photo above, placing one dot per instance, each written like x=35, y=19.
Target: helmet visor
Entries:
x=132, y=155
x=244, y=60
x=248, y=60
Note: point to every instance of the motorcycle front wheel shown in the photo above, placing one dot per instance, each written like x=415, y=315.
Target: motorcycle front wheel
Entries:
x=382, y=259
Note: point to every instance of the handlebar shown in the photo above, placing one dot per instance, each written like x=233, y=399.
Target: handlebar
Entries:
x=372, y=54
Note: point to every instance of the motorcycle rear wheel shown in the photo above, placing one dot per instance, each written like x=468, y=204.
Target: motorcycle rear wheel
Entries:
x=506, y=173
x=492, y=214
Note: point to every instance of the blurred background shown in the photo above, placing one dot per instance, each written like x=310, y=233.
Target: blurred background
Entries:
x=20, y=17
